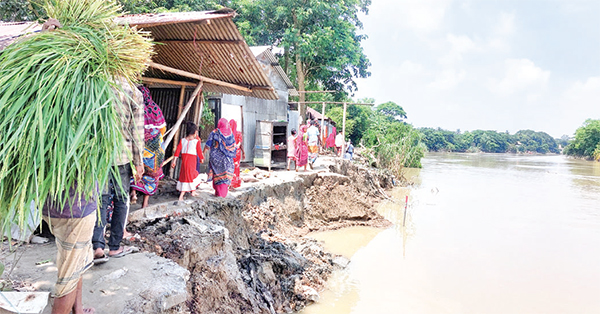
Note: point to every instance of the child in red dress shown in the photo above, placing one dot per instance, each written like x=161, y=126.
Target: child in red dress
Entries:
x=190, y=148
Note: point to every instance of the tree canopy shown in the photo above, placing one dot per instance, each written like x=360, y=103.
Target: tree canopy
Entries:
x=524, y=141
x=587, y=141
x=391, y=110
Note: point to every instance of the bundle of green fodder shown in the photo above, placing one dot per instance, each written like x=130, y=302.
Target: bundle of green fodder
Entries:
x=59, y=128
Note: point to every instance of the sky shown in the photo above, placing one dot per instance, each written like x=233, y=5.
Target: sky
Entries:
x=483, y=64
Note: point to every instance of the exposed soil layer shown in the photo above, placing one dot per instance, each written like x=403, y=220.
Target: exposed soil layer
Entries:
x=247, y=254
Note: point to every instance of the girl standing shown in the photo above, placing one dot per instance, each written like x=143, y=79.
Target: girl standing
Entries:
x=221, y=143
x=190, y=148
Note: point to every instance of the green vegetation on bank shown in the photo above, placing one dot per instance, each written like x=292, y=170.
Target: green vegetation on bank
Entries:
x=587, y=141
x=524, y=141
x=390, y=142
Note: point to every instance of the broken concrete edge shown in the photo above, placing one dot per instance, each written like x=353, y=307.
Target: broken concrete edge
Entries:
x=182, y=208
x=248, y=270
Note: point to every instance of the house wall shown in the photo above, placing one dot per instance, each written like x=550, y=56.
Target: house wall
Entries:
x=293, y=120
x=254, y=109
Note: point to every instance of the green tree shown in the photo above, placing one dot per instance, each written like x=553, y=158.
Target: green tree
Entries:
x=587, y=141
x=18, y=10
x=392, y=110
x=319, y=38
x=393, y=143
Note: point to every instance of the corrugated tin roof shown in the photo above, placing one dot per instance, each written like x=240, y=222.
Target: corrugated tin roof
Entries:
x=317, y=115
x=189, y=41
x=267, y=52
x=206, y=43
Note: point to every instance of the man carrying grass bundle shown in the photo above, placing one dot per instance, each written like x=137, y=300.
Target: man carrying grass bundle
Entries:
x=61, y=126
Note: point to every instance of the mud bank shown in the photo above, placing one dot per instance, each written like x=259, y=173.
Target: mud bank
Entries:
x=246, y=253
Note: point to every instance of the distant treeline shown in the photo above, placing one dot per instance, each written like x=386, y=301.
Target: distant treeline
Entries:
x=524, y=141
x=586, y=143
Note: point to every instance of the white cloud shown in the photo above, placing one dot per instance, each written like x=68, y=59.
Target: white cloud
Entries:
x=582, y=95
x=579, y=102
x=459, y=45
x=448, y=79
x=409, y=68
x=419, y=15
x=506, y=24
x=503, y=30
x=520, y=74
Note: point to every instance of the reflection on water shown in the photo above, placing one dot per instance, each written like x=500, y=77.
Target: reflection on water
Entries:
x=347, y=241
x=484, y=234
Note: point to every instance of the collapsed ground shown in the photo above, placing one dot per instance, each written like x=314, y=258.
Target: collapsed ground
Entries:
x=248, y=255
x=245, y=253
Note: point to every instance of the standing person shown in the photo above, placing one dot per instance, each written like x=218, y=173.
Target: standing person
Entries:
x=154, y=155
x=301, y=148
x=339, y=142
x=236, y=182
x=291, y=150
x=73, y=227
x=130, y=111
x=331, y=138
x=349, y=150
x=190, y=149
x=313, y=143
x=221, y=143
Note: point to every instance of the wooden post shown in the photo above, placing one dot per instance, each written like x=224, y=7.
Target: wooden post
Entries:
x=184, y=113
x=176, y=130
x=344, y=130
x=323, y=138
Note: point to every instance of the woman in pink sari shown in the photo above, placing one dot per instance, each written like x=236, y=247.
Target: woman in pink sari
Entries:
x=302, y=148
x=236, y=182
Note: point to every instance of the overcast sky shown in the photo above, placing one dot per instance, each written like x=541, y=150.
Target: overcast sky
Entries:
x=483, y=64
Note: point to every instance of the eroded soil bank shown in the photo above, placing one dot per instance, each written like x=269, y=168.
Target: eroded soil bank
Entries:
x=247, y=254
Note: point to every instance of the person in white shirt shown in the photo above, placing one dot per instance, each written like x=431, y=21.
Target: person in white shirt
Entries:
x=313, y=143
x=339, y=142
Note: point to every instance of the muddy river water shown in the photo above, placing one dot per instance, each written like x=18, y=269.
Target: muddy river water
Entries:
x=483, y=233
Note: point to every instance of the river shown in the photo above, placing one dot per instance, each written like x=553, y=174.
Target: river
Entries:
x=484, y=233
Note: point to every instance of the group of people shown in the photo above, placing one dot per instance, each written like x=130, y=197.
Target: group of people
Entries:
x=303, y=146
x=80, y=232
x=226, y=153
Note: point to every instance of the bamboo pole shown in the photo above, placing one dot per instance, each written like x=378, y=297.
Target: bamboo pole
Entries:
x=329, y=103
x=176, y=130
x=184, y=113
x=152, y=80
x=344, y=130
x=322, y=124
x=198, y=77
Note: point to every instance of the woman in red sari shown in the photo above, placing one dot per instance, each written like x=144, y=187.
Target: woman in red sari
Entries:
x=302, y=148
x=236, y=182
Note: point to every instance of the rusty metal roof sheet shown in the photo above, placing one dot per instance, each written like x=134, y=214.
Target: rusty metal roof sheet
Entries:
x=317, y=115
x=206, y=43
x=268, y=53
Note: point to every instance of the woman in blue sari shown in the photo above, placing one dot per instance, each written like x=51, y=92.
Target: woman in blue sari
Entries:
x=221, y=143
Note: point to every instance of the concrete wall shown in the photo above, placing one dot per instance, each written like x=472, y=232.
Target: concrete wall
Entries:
x=259, y=109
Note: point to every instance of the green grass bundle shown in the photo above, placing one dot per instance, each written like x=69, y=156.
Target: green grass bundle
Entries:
x=58, y=122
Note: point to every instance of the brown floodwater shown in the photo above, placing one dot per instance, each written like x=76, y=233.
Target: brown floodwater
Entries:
x=483, y=233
